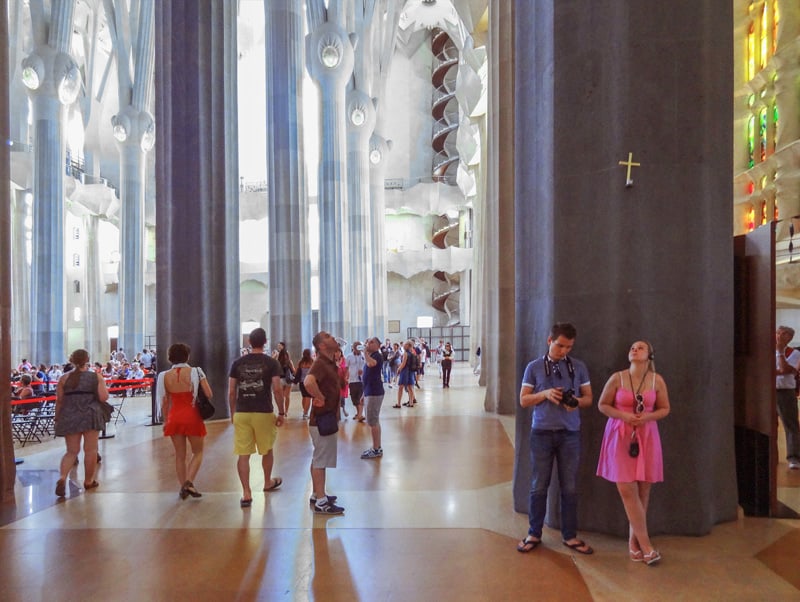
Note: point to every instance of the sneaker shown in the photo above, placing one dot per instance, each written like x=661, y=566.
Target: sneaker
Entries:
x=372, y=453
x=328, y=508
x=312, y=500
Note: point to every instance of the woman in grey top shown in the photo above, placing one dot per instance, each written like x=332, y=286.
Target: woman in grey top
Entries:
x=79, y=416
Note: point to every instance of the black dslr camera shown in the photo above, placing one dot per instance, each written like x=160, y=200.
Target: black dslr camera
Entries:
x=568, y=398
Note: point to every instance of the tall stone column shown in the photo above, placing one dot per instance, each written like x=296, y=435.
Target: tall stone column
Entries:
x=379, y=149
x=134, y=131
x=329, y=59
x=93, y=288
x=8, y=472
x=197, y=208
x=360, y=114
x=131, y=244
x=21, y=277
x=623, y=263
x=289, y=263
x=53, y=80
x=495, y=222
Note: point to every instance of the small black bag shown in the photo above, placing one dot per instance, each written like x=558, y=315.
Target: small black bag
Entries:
x=203, y=404
x=633, y=450
x=107, y=409
x=327, y=423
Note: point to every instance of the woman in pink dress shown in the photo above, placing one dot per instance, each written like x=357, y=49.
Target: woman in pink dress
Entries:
x=630, y=455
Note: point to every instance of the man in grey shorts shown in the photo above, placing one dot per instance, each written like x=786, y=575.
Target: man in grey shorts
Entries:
x=324, y=384
x=373, y=395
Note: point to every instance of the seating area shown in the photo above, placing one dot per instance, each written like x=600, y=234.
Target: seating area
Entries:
x=33, y=419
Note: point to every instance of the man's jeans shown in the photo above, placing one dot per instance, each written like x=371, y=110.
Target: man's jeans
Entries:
x=565, y=447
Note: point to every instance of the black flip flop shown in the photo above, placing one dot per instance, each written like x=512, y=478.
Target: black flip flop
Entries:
x=245, y=503
x=579, y=544
x=523, y=546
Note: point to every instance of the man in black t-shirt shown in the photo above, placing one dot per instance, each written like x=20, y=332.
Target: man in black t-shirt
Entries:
x=254, y=379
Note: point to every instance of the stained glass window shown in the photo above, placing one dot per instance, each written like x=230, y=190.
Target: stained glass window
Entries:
x=776, y=17
x=762, y=133
x=763, y=36
x=763, y=212
x=751, y=51
x=751, y=141
x=751, y=217
x=774, y=126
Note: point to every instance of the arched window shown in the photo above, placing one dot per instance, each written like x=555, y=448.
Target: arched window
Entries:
x=762, y=133
x=751, y=141
x=774, y=126
x=764, y=37
x=751, y=51
x=776, y=17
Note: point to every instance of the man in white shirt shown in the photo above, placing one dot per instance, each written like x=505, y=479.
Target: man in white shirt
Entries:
x=355, y=367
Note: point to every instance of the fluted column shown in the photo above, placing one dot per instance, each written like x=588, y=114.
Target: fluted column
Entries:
x=93, y=289
x=197, y=212
x=329, y=58
x=494, y=223
x=379, y=149
x=131, y=245
x=21, y=276
x=47, y=261
x=289, y=264
x=53, y=80
x=8, y=472
x=360, y=114
x=134, y=131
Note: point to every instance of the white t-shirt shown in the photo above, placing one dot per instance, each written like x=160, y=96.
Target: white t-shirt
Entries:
x=787, y=381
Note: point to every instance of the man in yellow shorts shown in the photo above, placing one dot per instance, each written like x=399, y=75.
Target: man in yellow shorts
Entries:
x=253, y=380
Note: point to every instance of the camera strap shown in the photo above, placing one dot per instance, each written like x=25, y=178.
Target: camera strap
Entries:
x=548, y=363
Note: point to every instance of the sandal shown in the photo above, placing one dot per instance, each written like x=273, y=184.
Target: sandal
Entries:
x=528, y=544
x=91, y=485
x=274, y=484
x=651, y=558
x=188, y=486
x=245, y=503
x=636, y=555
x=578, y=545
x=397, y=405
x=61, y=488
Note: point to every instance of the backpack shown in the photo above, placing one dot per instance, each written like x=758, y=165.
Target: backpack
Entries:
x=413, y=362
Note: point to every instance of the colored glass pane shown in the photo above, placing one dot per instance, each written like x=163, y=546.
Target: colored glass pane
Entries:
x=763, y=212
x=762, y=133
x=751, y=216
x=776, y=17
x=751, y=140
x=774, y=126
x=751, y=51
x=764, y=31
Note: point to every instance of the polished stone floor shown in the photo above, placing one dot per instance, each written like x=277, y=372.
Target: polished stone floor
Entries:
x=431, y=520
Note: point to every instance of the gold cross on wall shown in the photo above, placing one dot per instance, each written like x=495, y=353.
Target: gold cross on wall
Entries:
x=629, y=163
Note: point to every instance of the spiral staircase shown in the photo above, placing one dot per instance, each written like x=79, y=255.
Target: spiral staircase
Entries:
x=444, y=108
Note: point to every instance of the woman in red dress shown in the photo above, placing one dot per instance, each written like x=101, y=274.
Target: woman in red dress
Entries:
x=178, y=390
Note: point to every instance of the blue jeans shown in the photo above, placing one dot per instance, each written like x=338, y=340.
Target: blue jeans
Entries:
x=564, y=447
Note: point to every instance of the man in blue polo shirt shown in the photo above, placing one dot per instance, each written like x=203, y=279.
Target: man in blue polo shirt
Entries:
x=556, y=386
